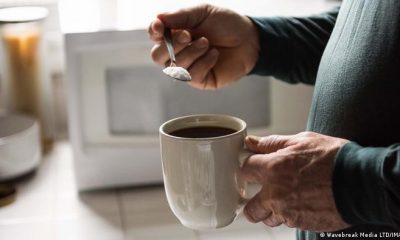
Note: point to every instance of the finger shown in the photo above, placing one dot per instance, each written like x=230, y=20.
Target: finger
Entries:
x=201, y=70
x=156, y=31
x=255, y=168
x=159, y=52
x=269, y=144
x=272, y=221
x=255, y=210
x=210, y=82
x=187, y=18
x=252, y=143
x=190, y=54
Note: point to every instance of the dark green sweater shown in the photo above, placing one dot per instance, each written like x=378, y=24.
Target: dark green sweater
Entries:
x=352, y=56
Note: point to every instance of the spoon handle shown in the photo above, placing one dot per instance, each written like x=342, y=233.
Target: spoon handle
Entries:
x=168, y=43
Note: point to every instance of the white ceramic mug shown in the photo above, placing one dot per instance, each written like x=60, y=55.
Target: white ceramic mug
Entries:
x=201, y=178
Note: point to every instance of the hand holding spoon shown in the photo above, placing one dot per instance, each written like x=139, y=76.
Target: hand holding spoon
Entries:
x=178, y=73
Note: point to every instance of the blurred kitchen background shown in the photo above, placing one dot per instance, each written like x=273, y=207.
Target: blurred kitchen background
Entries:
x=81, y=70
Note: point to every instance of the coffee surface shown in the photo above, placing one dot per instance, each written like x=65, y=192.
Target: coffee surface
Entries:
x=202, y=132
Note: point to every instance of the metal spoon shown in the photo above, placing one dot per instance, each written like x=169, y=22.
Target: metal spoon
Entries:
x=174, y=71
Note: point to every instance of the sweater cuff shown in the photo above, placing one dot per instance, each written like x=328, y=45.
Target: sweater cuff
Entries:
x=271, y=45
x=357, y=184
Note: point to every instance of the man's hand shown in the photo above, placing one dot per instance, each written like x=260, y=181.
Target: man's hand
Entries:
x=216, y=45
x=295, y=173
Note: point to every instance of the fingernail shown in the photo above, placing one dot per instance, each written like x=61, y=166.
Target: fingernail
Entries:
x=253, y=139
x=183, y=38
x=201, y=43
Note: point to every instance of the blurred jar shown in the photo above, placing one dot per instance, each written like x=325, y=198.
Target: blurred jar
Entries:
x=23, y=75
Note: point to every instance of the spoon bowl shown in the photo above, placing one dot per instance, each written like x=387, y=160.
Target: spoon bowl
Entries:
x=178, y=73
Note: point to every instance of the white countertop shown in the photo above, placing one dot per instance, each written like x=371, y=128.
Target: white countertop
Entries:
x=48, y=207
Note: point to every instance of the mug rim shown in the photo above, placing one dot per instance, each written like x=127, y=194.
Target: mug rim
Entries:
x=240, y=121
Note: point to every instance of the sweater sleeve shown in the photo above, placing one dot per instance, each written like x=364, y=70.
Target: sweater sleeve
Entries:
x=291, y=48
x=366, y=184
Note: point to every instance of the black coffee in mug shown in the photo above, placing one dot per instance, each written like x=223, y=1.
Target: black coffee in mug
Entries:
x=202, y=132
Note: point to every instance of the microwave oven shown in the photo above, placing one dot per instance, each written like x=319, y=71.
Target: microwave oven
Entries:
x=118, y=98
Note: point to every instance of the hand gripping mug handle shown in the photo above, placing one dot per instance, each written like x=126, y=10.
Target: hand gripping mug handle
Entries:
x=244, y=154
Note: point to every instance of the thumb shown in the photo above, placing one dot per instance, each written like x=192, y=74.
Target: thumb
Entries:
x=187, y=18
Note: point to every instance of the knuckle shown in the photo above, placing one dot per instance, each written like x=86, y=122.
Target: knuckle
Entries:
x=268, y=223
x=290, y=224
x=272, y=221
x=206, y=6
x=292, y=220
x=205, y=10
x=306, y=134
x=271, y=143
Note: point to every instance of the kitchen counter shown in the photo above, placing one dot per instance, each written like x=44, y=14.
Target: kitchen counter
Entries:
x=48, y=207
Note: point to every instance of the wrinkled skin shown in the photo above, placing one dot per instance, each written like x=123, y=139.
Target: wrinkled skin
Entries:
x=296, y=177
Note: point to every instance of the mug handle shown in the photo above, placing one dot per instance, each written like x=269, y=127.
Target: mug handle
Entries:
x=244, y=154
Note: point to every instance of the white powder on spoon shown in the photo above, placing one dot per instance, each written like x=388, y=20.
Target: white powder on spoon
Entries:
x=178, y=73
